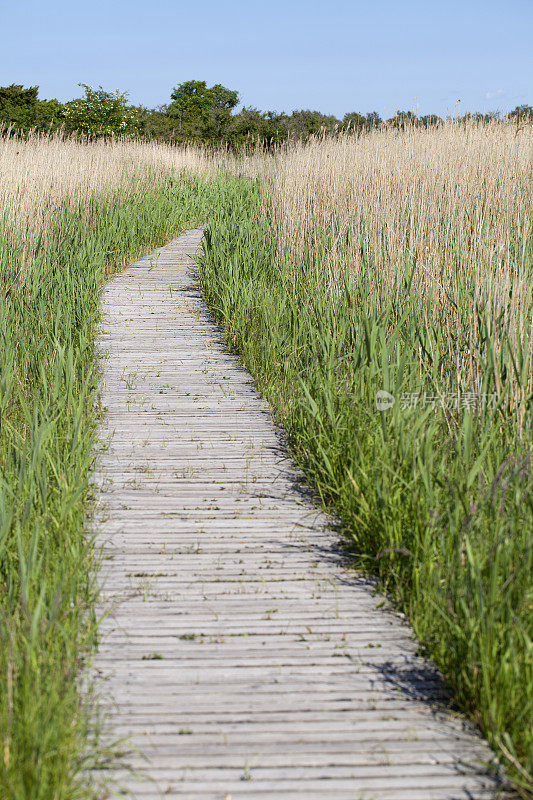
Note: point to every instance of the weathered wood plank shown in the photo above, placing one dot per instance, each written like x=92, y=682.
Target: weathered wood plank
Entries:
x=239, y=654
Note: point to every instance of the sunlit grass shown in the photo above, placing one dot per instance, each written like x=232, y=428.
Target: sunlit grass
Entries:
x=393, y=261
x=53, y=267
x=404, y=263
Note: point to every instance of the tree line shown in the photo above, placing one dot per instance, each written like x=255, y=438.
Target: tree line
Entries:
x=196, y=113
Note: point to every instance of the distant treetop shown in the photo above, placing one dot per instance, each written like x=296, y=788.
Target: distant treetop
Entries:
x=199, y=113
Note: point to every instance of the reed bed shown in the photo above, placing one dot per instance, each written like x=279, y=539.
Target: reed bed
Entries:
x=392, y=269
x=447, y=211
x=71, y=214
x=380, y=291
x=41, y=174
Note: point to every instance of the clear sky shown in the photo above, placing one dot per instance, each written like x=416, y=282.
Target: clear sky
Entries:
x=334, y=57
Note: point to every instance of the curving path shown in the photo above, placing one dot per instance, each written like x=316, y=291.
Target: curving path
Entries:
x=241, y=657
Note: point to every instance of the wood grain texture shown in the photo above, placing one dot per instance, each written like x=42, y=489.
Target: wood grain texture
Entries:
x=241, y=656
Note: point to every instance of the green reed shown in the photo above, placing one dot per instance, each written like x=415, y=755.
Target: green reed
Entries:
x=437, y=502
x=48, y=415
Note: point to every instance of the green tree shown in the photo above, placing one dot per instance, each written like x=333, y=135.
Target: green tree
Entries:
x=522, y=114
x=403, y=119
x=430, y=120
x=246, y=127
x=305, y=123
x=373, y=120
x=354, y=120
x=155, y=123
x=266, y=128
x=16, y=98
x=101, y=113
x=361, y=122
x=201, y=111
x=22, y=109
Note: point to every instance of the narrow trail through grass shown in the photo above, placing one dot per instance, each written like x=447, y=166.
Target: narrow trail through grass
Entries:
x=241, y=655
x=49, y=409
x=437, y=502
x=396, y=262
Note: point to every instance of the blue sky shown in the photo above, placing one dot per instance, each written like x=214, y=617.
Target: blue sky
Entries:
x=282, y=54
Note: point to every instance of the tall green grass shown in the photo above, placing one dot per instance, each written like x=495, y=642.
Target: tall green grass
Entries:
x=49, y=304
x=437, y=502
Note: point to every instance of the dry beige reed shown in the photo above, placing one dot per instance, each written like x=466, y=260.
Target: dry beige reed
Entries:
x=449, y=209
x=41, y=173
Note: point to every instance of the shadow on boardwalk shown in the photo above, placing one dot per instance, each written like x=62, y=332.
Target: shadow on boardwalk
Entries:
x=243, y=657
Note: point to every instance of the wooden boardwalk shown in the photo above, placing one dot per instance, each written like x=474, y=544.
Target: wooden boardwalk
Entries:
x=240, y=656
